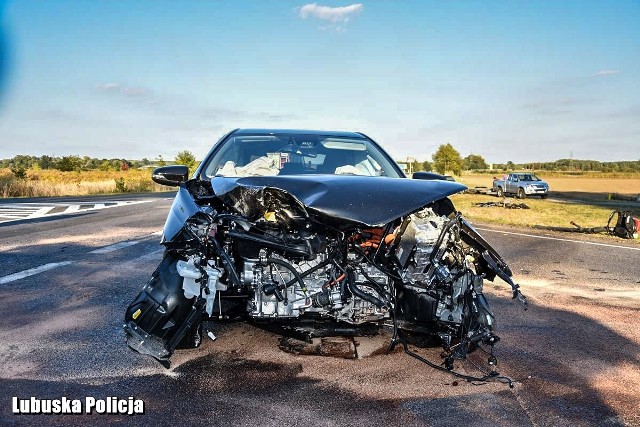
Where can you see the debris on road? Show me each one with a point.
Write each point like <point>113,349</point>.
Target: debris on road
<point>626,226</point>
<point>505,204</point>
<point>575,229</point>
<point>624,197</point>
<point>480,190</point>
<point>340,347</point>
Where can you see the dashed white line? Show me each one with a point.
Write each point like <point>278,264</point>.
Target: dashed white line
<point>106,249</point>
<point>114,247</point>
<point>558,239</point>
<point>26,273</point>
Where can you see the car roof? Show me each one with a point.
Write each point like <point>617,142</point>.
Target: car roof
<point>334,133</point>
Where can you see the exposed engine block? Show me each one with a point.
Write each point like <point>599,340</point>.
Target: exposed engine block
<point>277,293</point>
<point>323,294</point>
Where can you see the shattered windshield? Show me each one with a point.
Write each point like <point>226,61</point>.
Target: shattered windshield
<point>296,154</point>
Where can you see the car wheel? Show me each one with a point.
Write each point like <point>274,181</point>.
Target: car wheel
<point>499,192</point>
<point>521,194</point>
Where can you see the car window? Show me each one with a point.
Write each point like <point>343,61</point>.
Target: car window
<point>294,154</point>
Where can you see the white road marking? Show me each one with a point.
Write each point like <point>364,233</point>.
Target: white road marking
<point>558,239</point>
<point>41,212</point>
<point>30,272</point>
<point>29,210</point>
<point>18,215</point>
<point>14,212</point>
<point>16,209</point>
<point>114,247</point>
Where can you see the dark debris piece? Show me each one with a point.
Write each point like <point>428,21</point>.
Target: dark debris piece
<point>507,205</point>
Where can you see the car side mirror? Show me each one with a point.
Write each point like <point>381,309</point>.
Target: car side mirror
<point>170,175</point>
<point>428,175</point>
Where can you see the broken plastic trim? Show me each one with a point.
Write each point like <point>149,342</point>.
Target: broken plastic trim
<point>144,343</point>
<point>515,288</point>
<point>493,376</point>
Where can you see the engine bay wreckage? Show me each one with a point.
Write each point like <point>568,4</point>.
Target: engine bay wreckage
<point>310,254</point>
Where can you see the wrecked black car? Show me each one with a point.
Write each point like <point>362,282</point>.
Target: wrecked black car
<point>315,233</point>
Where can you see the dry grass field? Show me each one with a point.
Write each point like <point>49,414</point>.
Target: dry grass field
<point>46,183</point>
<point>590,187</point>
<point>582,199</point>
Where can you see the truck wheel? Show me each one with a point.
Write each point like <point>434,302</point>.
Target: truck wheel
<point>521,193</point>
<point>499,192</point>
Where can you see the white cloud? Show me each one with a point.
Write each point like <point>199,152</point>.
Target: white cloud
<point>135,91</point>
<point>119,90</point>
<point>108,86</point>
<point>334,15</point>
<point>602,73</point>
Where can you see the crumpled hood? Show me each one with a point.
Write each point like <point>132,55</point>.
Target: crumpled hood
<point>372,201</point>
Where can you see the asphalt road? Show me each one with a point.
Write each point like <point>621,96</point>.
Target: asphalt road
<point>66,278</point>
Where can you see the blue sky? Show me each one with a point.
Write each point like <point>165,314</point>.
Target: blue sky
<point>510,80</point>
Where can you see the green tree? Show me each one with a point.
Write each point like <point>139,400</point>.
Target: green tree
<point>46,162</point>
<point>474,161</point>
<point>426,166</point>
<point>115,164</point>
<point>18,171</point>
<point>69,163</point>
<point>160,161</point>
<point>105,165</point>
<point>186,158</point>
<point>447,158</point>
<point>20,164</point>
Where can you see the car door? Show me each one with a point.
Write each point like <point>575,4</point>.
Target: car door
<point>512,186</point>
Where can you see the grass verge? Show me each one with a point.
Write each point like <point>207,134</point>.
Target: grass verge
<point>541,212</point>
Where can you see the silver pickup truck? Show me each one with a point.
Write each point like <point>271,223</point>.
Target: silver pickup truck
<point>522,184</point>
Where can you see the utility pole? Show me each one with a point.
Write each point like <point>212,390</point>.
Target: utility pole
<point>410,161</point>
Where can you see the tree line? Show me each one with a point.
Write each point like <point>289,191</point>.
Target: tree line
<point>21,163</point>
<point>447,159</point>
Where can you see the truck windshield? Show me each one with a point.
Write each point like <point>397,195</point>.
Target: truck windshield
<point>527,177</point>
